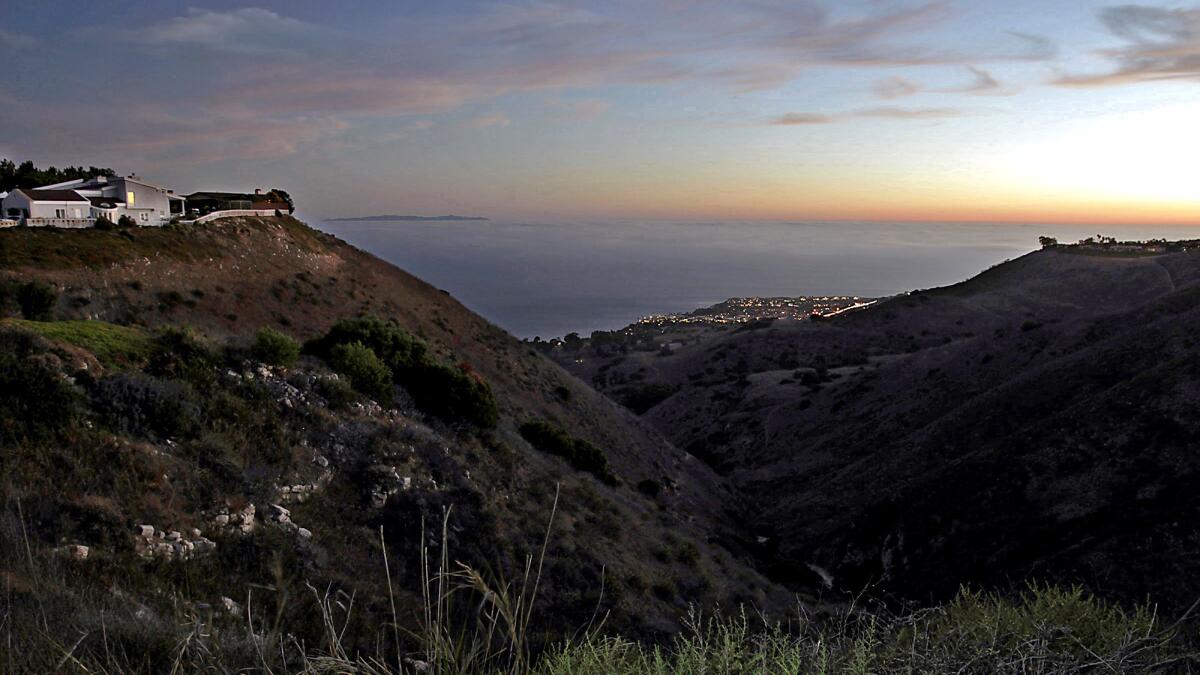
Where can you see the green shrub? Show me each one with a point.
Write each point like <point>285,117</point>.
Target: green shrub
<point>36,300</point>
<point>452,395</point>
<point>179,353</point>
<point>274,348</point>
<point>104,224</point>
<point>580,454</point>
<point>126,221</point>
<point>448,393</point>
<point>397,349</point>
<point>337,394</point>
<point>37,404</point>
<point>366,371</point>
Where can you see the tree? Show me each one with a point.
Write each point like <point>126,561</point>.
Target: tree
<point>26,175</point>
<point>1047,242</point>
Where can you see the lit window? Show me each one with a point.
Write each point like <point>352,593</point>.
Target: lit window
<point>130,198</point>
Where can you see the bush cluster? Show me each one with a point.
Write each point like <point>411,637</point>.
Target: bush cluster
<point>142,405</point>
<point>580,454</point>
<point>35,299</point>
<point>274,348</point>
<point>448,393</point>
<point>37,404</point>
<point>366,371</point>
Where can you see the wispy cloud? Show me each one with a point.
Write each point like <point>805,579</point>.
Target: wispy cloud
<point>982,83</point>
<point>489,120</point>
<point>910,113</point>
<point>1160,44</point>
<point>797,119</point>
<point>886,112</point>
<point>249,30</point>
<point>896,87</point>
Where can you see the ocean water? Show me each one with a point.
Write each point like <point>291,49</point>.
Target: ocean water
<point>550,279</point>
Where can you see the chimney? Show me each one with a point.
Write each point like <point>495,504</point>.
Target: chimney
<point>258,191</point>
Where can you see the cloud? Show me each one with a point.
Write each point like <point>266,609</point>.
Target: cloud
<point>896,87</point>
<point>982,84</point>
<point>250,30</point>
<point>909,113</point>
<point>11,40</point>
<point>1160,44</point>
<point>489,120</point>
<point>888,112</point>
<point>796,119</point>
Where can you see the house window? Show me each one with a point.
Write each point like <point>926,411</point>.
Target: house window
<point>145,216</point>
<point>130,198</point>
<point>60,213</point>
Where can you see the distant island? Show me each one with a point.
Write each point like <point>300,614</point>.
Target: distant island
<point>421,219</point>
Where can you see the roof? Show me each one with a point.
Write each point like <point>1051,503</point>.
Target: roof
<point>106,202</point>
<point>52,195</point>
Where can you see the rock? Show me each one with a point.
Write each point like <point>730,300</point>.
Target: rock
<point>174,536</point>
<point>230,606</point>
<point>321,461</point>
<point>304,533</point>
<point>73,551</point>
<point>145,531</point>
<point>221,520</point>
<point>195,533</point>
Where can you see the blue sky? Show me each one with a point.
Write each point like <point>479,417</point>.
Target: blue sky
<point>1072,111</point>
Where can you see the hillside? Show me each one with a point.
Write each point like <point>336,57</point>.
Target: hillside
<point>1031,423</point>
<point>112,424</point>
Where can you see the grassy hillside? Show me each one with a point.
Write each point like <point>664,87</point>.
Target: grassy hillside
<point>1030,423</point>
<point>116,417</point>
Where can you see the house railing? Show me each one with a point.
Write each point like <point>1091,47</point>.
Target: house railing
<point>60,222</point>
<point>6,222</point>
<point>232,213</point>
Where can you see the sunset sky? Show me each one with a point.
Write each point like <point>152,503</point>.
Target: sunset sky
<point>1012,110</point>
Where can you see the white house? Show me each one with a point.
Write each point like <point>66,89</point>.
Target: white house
<point>48,207</point>
<point>78,203</point>
<point>145,203</point>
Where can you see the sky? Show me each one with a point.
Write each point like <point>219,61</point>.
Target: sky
<point>1009,110</point>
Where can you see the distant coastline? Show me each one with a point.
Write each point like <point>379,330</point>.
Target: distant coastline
<point>420,219</point>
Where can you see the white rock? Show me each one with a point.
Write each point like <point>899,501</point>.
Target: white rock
<point>174,535</point>
<point>73,551</point>
<point>304,533</point>
<point>221,520</point>
<point>230,606</point>
<point>145,531</point>
<point>195,533</point>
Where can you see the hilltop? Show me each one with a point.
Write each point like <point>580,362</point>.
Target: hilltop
<point>153,435</point>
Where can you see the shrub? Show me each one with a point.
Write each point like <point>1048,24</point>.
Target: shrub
<point>650,488</point>
<point>274,348</point>
<point>103,223</point>
<point>397,349</point>
<point>179,353</point>
<point>580,454</point>
<point>337,394</point>
<point>37,404</point>
<point>36,300</point>
<point>126,221</point>
<point>366,371</point>
<point>439,390</point>
<point>452,395</point>
<point>147,406</point>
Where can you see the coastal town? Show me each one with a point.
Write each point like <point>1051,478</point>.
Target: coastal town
<point>743,310</point>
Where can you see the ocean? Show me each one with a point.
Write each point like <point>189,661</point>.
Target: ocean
<point>550,279</point>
